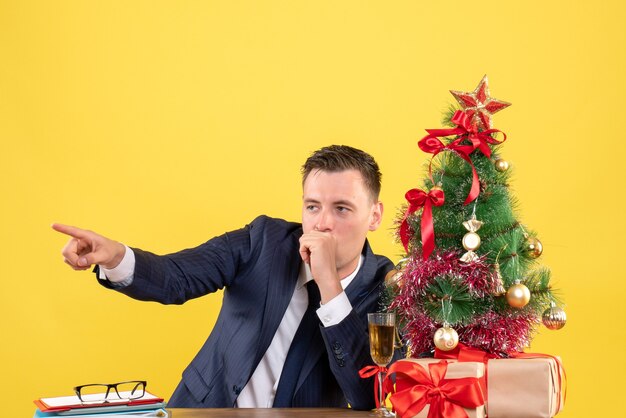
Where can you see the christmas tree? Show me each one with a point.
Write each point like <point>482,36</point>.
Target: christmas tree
<point>471,273</point>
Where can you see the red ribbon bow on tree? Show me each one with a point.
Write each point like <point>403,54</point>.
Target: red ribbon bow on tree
<point>369,371</point>
<point>418,198</point>
<point>464,129</point>
<point>433,145</point>
<point>416,388</point>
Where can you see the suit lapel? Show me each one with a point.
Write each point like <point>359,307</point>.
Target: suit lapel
<point>362,285</point>
<point>282,279</point>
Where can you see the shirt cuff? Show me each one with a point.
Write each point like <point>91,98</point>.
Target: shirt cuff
<point>122,275</point>
<point>335,310</point>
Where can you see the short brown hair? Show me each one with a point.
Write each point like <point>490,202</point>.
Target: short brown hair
<point>336,158</point>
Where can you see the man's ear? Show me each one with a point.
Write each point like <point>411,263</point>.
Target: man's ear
<point>376,217</point>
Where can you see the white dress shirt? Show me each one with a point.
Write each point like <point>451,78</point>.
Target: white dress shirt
<point>260,390</point>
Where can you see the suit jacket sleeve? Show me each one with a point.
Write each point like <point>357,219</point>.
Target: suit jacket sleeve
<point>347,344</point>
<point>191,273</point>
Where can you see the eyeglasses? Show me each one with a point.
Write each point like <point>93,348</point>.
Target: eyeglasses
<point>101,393</point>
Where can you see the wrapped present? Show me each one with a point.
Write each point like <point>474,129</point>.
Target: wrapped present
<point>530,386</point>
<point>526,385</point>
<point>437,388</point>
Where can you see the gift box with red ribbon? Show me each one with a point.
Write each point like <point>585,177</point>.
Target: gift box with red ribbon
<point>525,385</point>
<point>437,388</point>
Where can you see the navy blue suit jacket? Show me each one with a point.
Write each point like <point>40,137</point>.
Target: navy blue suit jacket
<point>258,266</point>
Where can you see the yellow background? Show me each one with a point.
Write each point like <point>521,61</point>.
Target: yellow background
<point>162,124</point>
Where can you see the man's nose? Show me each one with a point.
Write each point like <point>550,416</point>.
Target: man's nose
<point>324,222</point>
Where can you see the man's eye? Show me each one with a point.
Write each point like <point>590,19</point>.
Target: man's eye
<point>342,209</point>
<point>311,207</point>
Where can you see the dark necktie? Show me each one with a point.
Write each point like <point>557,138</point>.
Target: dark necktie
<point>297,351</point>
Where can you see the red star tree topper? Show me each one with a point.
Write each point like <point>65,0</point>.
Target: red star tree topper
<point>479,105</point>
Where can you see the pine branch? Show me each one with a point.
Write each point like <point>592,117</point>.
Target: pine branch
<point>449,292</point>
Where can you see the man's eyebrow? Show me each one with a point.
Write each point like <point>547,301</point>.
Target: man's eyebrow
<point>343,203</point>
<point>340,202</point>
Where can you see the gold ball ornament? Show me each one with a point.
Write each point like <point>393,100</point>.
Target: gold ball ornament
<point>554,317</point>
<point>518,295</point>
<point>501,165</point>
<point>392,279</point>
<point>534,247</point>
<point>389,277</point>
<point>446,338</point>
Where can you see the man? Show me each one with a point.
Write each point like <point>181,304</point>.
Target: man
<point>292,330</point>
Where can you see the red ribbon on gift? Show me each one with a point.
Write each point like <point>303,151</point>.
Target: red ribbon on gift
<point>463,352</point>
<point>369,371</point>
<point>418,198</point>
<point>416,388</point>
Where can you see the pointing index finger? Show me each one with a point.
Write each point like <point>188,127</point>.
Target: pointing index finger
<point>70,230</point>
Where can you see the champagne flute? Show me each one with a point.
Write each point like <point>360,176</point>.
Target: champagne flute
<point>382,331</point>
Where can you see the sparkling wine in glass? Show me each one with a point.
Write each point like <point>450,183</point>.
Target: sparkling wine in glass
<point>382,331</point>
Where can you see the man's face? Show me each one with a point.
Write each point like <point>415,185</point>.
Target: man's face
<point>338,203</point>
